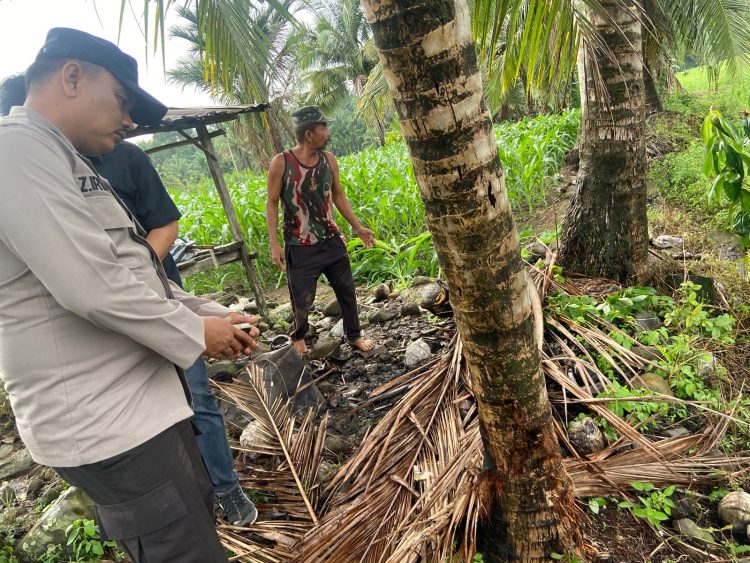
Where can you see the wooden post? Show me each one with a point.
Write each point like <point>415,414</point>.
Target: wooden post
<point>234,223</point>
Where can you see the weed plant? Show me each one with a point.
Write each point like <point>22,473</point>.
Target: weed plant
<point>691,333</point>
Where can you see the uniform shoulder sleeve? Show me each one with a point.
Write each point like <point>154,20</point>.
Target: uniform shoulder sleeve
<point>46,222</point>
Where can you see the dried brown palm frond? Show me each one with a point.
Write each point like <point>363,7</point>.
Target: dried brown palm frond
<point>410,493</point>
<point>445,505</point>
<point>406,494</point>
<point>292,486</point>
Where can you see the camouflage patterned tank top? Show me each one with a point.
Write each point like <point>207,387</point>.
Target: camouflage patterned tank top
<point>307,201</point>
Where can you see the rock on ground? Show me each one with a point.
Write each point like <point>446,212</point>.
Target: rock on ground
<point>586,436</point>
<point>416,353</point>
<point>17,463</point>
<point>72,505</point>
<point>734,509</point>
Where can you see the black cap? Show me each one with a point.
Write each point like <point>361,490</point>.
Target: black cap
<point>66,43</point>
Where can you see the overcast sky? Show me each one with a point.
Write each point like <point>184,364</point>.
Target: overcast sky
<point>24,25</point>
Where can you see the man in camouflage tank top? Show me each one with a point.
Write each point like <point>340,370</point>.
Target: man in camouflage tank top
<point>306,181</point>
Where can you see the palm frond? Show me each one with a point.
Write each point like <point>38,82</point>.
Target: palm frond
<point>300,450</point>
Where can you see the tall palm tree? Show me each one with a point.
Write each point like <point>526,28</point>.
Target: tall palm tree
<point>606,229</point>
<point>338,55</point>
<point>248,79</point>
<point>528,35</point>
<point>429,59</point>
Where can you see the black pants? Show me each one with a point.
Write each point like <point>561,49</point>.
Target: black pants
<point>304,264</point>
<point>156,500</point>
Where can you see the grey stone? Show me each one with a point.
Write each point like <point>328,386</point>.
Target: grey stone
<point>332,309</point>
<point>251,307</point>
<point>281,314</point>
<point>421,280</point>
<point>647,321</point>
<point>50,495</point>
<point>734,509</point>
<point>654,383</point>
<point>384,314</point>
<point>586,436</point>
<point>72,505</point>
<point>325,348</point>
<point>707,366</point>
<point>381,292</point>
<point>648,353</point>
<point>688,528</point>
<point>34,486</point>
<point>334,444</point>
<point>410,309</point>
<point>6,450</point>
<point>227,366</point>
<point>338,330</point>
<point>416,353</point>
<point>667,241</point>
<point>17,463</point>
<point>537,249</point>
<point>677,432</point>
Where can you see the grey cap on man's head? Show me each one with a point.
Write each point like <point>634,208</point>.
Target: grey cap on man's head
<point>309,115</point>
<point>67,43</point>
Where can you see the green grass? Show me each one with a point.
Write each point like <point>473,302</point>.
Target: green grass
<point>678,176</point>
<point>730,97</point>
<point>384,194</point>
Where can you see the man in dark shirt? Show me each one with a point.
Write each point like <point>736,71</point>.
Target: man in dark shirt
<point>12,92</point>
<point>135,180</point>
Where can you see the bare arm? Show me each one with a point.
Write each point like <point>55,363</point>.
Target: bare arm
<point>275,174</point>
<point>162,238</point>
<point>345,208</point>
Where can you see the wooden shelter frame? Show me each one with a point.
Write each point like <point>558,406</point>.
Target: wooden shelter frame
<point>199,118</point>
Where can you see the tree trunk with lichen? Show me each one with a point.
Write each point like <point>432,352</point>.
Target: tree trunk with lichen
<point>430,63</point>
<point>606,229</point>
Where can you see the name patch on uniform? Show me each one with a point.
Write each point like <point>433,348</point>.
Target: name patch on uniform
<point>91,184</point>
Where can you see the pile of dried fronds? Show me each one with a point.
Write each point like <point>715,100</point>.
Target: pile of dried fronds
<point>409,493</point>
<point>292,486</point>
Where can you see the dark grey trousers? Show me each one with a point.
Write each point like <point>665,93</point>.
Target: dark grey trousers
<point>156,500</point>
<point>304,264</point>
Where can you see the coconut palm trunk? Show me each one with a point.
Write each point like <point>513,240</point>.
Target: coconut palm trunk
<point>606,230</point>
<point>429,60</point>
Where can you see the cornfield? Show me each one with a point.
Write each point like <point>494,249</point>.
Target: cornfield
<point>381,187</point>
